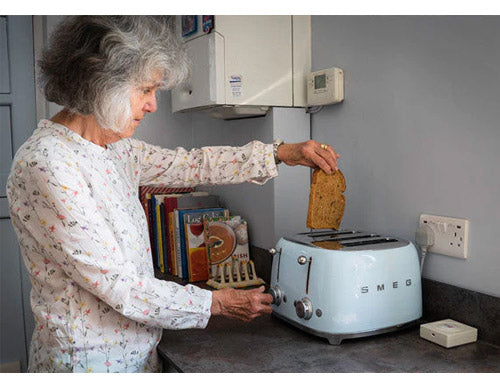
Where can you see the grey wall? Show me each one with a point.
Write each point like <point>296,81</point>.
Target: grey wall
<point>419,130</point>
<point>279,207</point>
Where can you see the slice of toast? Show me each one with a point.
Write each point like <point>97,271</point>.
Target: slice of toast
<point>326,200</point>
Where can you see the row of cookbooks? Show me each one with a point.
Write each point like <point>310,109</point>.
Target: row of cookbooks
<point>191,234</point>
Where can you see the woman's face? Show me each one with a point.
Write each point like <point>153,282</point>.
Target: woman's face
<point>142,101</point>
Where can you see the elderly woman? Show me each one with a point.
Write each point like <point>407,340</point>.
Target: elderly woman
<point>73,194</point>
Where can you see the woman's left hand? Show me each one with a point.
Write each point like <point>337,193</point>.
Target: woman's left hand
<point>310,153</point>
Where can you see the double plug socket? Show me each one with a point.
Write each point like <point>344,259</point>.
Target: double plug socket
<point>451,235</point>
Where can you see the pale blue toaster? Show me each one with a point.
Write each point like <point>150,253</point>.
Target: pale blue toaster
<point>346,284</point>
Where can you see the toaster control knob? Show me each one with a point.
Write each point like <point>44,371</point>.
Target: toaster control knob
<point>276,294</point>
<point>304,309</point>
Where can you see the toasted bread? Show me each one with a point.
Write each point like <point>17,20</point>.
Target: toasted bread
<point>335,245</point>
<point>326,200</point>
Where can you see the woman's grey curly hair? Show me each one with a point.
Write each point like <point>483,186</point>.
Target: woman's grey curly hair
<point>93,62</point>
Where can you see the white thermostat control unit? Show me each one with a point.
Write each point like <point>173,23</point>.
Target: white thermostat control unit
<point>325,87</point>
<point>448,333</point>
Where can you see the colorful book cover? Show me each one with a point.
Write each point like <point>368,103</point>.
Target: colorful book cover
<point>190,216</point>
<point>196,250</point>
<point>186,201</point>
<point>226,241</point>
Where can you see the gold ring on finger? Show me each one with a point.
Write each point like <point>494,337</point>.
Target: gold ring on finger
<point>324,146</point>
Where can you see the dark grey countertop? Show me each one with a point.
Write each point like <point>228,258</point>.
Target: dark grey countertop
<point>268,345</point>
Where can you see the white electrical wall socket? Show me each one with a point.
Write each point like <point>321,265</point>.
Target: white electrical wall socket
<point>451,235</point>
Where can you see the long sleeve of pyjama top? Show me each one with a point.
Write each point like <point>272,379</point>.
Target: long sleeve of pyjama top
<point>84,239</point>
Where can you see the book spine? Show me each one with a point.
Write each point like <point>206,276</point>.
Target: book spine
<point>147,210</point>
<point>182,237</point>
<point>170,204</point>
<point>154,233</point>
<point>177,243</point>
<point>164,239</point>
<point>173,267</point>
<point>160,241</point>
<point>186,251</point>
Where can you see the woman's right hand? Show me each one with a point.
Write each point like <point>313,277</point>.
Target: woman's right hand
<point>243,305</point>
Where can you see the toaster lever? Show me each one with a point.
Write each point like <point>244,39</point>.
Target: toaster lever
<point>273,252</point>
<point>302,260</point>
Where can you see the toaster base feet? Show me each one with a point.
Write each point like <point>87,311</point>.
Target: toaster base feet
<point>336,339</point>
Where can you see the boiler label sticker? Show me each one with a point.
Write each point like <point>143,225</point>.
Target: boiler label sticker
<point>236,84</point>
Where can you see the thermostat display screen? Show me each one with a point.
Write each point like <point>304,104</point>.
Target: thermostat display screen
<point>320,81</point>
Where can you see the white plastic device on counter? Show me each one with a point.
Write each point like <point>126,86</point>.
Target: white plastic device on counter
<point>448,333</point>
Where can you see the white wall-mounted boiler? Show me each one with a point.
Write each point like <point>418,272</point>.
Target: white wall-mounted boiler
<point>242,65</point>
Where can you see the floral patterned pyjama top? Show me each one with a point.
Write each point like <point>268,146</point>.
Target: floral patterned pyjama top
<point>84,240</point>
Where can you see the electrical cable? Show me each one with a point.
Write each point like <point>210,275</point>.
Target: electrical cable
<point>424,238</point>
<point>313,109</point>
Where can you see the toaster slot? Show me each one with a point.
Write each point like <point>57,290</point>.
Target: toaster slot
<point>327,233</point>
<point>343,238</point>
<point>338,242</point>
<point>368,242</point>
